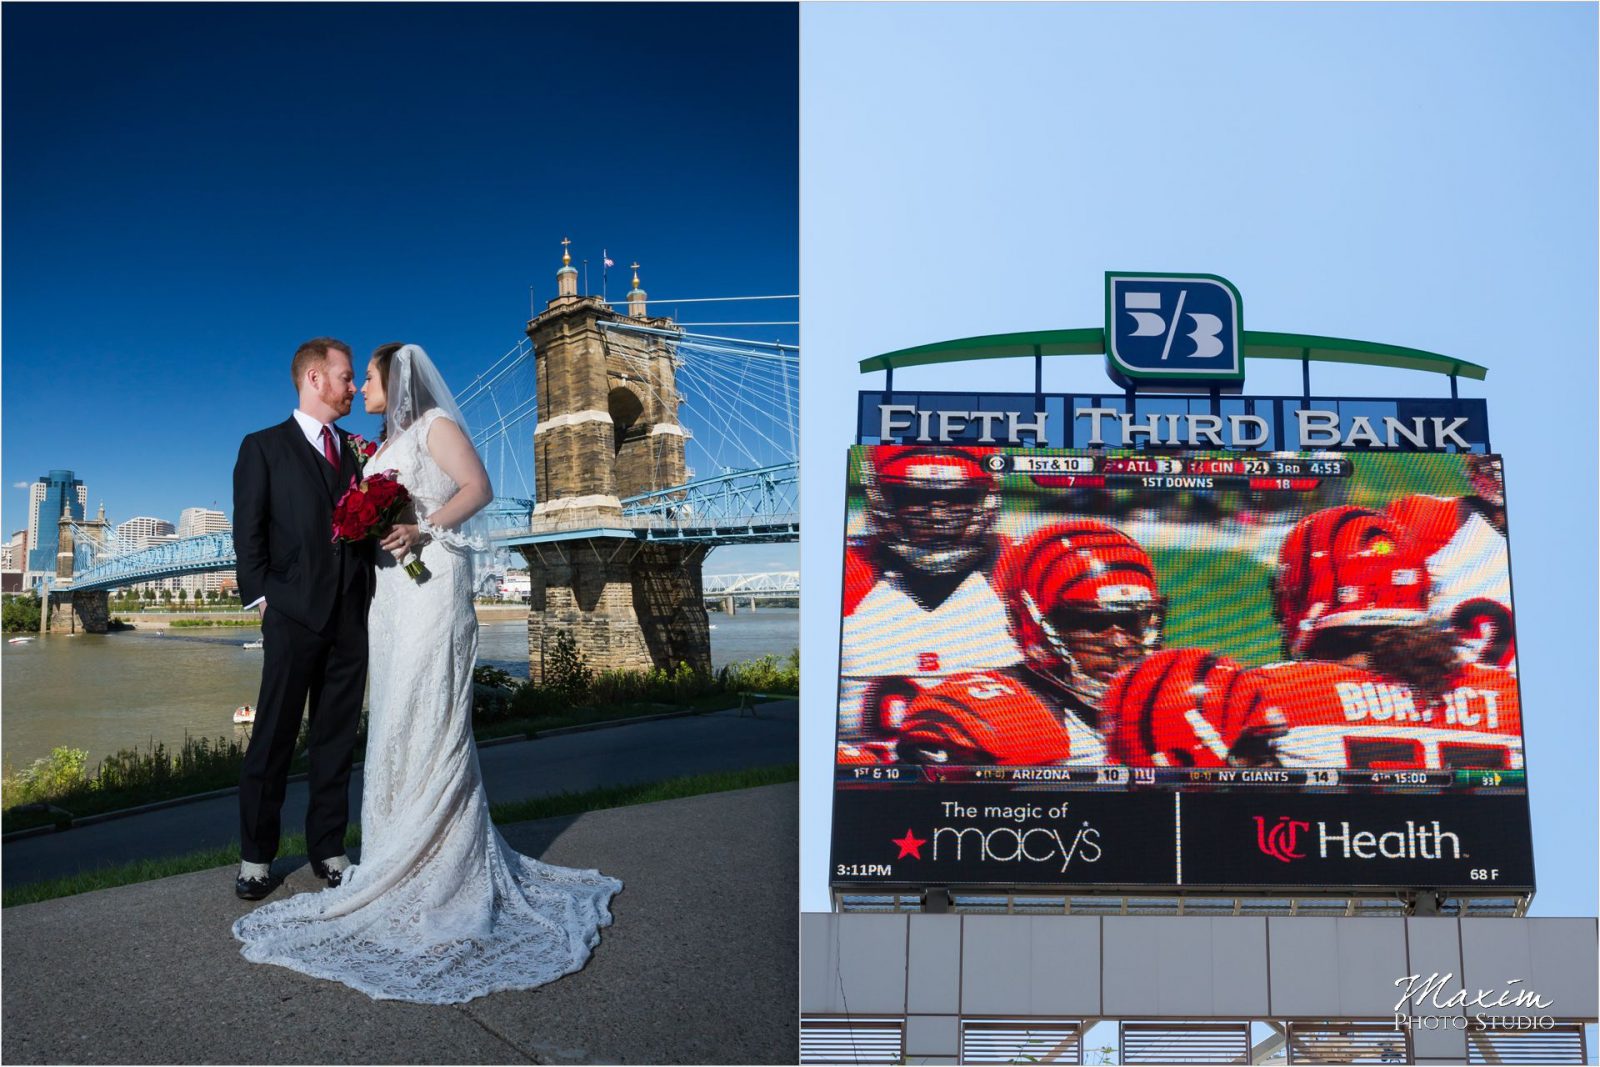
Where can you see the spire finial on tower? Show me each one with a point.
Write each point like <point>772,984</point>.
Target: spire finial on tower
<point>567,276</point>
<point>637,304</point>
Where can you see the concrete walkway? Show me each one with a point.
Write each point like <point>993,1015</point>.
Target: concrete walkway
<point>617,755</point>
<point>699,966</point>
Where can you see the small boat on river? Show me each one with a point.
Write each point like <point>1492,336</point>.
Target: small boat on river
<point>257,643</point>
<point>244,715</point>
<point>18,640</point>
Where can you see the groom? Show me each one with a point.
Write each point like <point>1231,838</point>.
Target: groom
<point>312,593</point>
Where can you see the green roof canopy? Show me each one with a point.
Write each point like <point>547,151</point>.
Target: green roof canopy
<point>1257,345</point>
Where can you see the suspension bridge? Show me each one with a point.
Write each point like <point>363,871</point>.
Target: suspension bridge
<point>697,433</point>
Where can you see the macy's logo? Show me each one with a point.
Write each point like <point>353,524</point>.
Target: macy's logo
<point>1279,841</point>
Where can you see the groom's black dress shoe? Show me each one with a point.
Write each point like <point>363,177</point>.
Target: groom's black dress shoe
<point>251,888</point>
<point>326,873</point>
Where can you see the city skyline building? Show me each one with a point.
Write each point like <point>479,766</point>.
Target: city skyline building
<point>46,498</point>
<point>13,561</point>
<point>195,522</point>
<point>146,531</point>
<point>138,531</point>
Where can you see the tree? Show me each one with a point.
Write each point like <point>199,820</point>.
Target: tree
<point>20,614</point>
<point>183,597</point>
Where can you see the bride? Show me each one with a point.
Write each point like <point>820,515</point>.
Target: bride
<point>440,909</point>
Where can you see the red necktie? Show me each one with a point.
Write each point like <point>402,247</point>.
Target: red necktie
<point>327,447</point>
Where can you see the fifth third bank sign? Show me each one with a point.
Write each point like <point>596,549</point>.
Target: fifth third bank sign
<point>1174,326</point>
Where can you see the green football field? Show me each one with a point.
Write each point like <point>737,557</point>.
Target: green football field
<point>1220,601</point>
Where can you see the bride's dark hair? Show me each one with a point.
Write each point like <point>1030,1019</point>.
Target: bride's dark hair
<point>381,357</point>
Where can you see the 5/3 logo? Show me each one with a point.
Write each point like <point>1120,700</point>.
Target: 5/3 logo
<point>1182,327</point>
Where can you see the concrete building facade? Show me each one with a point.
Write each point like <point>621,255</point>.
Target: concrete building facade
<point>936,979</point>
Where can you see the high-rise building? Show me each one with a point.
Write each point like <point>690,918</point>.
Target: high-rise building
<point>138,531</point>
<point>144,531</point>
<point>12,561</point>
<point>46,498</point>
<point>193,522</point>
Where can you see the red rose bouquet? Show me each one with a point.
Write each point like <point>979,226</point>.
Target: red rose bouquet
<point>363,448</point>
<point>370,507</point>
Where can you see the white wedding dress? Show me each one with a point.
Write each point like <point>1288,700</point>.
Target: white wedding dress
<point>440,909</point>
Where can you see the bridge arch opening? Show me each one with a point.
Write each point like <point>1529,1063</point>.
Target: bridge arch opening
<point>626,409</point>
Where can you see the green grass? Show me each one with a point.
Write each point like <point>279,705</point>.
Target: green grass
<point>1220,601</point>
<point>518,811</point>
<point>1379,479</point>
<point>623,796</point>
<point>182,623</point>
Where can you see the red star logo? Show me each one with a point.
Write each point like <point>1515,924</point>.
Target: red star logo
<point>910,845</point>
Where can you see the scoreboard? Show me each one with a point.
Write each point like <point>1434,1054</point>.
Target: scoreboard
<point>1203,670</point>
<point>1119,779</point>
<point>1257,474</point>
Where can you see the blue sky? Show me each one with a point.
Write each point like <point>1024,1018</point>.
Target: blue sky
<point>181,214</point>
<point>1416,175</point>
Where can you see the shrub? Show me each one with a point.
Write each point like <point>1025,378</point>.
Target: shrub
<point>55,775</point>
<point>20,614</point>
<point>564,669</point>
<point>531,700</point>
<point>486,675</point>
<point>765,675</point>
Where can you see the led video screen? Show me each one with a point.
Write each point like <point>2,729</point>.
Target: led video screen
<point>1187,669</point>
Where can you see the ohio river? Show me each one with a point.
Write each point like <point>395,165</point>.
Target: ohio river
<point>106,692</point>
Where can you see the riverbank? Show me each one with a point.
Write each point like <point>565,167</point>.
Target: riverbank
<point>105,692</point>
<point>141,620</point>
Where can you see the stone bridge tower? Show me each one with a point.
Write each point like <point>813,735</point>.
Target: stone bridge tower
<point>608,430</point>
<point>68,610</point>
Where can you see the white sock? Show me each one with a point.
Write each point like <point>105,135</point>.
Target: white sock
<point>339,863</point>
<point>254,871</point>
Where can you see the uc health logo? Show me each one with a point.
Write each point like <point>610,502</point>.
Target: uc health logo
<point>1279,841</point>
<point>1178,327</point>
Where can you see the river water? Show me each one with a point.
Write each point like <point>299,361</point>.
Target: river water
<point>111,691</point>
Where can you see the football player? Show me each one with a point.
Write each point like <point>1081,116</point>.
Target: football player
<point>1464,540</point>
<point>919,607</point>
<point>1176,708</point>
<point>1082,603</point>
<point>1373,681</point>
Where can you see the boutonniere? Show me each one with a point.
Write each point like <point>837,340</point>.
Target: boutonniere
<point>363,448</point>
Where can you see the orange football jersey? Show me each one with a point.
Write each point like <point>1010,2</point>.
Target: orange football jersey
<point>985,717</point>
<point>1328,715</point>
<point>1430,521</point>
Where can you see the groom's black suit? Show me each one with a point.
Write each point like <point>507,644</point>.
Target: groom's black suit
<point>314,632</point>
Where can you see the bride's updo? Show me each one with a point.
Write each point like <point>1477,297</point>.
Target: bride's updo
<point>382,356</point>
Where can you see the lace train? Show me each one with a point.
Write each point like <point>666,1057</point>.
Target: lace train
<point>440,909</point>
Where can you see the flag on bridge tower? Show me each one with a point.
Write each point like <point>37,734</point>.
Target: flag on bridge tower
<point>605,265</point>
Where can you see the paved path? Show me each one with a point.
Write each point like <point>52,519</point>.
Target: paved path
<point>618,755</point>
<point>699,966</point>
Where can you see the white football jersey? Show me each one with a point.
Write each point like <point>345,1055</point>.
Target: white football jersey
<point>890,635</point>
<point>1473,566</point>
